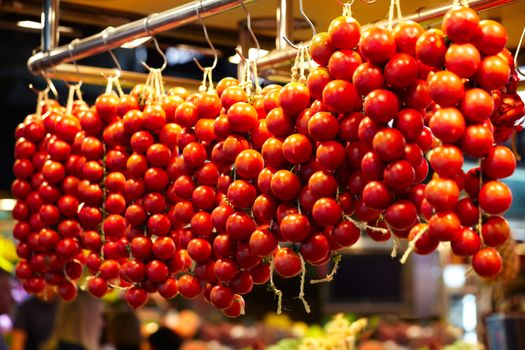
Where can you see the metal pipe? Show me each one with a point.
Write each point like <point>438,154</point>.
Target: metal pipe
<point>284,19</point>
<point>50,33</point>
<point>278,57</point>
<point>115,37</point>
<point>96,76</point>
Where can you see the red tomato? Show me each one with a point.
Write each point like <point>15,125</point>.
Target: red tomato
<point>495,197</point>
<point>426,244</point>
<point>242,117</point>
<point>321,48</point>
<point>376,195</point>
<point>465,242</point>
<point>463,60</point>
<point>285,185</point>
<point>340,96</point>
<point>410,123</point>
<point>499,163</point>
<point>417,95</point>
<point>431,47</point>
<point>345,234</point>
<point>377,45</point>
<point>249,163</point>
<point>317,80</point>
<point>460,24</point>
<point>493,73</point>
<point>442,194</point>
<point>477,141</point>
<point>372,166</point>
<point>495,231</point>
<point>295,227</point>
<point>297,148</point>
<point>443,226</point>
<point>368,77</point>
<point>344,32</point>
<point>381,105</point>
<point>477,105</point>
<point>406,34</point>
<point>401,215</point>
<point>330,155</point>
<point>389,144</point>
<point>447,161</point>
<point>447,124</point>
<point>287,263</point>
<point>401,71</point>
<point>446,88</point>
<point>487,262</point>
<point>491,37</point>
<point>399,175</point>
<point>342,64</point>
<point>323,126</point>
<point>294,97</point>
<point>326,212</point>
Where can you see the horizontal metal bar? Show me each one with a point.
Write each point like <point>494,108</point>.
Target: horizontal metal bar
<point>115,37</point>
<point>278,57</point>
<point>127,79</point>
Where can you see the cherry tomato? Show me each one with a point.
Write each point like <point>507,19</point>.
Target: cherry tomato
<point>377,45</point>
<point>499,163</point>
<point>460,24</point>
<point>487,262</point>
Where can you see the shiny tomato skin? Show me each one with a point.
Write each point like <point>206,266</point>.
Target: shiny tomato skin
<point>460,24</point>
<point>377,45</point>
<point>344,32</point>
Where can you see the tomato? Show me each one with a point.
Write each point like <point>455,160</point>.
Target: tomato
<point>199,249</point>
<point>263,242</point>
<point>278,123</point>
<point>477,141</point>
<point>208,105</point>
<point>367,129</point>
<point>226,269</point>
<point>221,297</point>
<point>442,226</point>
<point>376,195</point>
<point>372,166</point>
<point>241,194</point>
<point>495,231</point>
<point>223,246</point>
<point>315,248</point>
<point>381,105</point>
<point>487,262</point>
<point>389,144</point>
<point>367,78</point>
<point>248,164</point>
<point>493,73</point>
<point>406,34</point>
<point>447,124</point>
<point>236,308</point>
<point>287,263</point>
<point>447,161</point>
<point>431,47</point>
<point>472,180</point>
<point>322,184</point>
<point>294,97</point>
<point>465,242</point>
<point>399,175</point>
<point>463,60</point>
<point>154,117</point>
<point>260,134</point>
<point>321,48</point>
<point>97,286</point>
<point>240,226</point>
<point>264,180</point>
<point>326,212</point>
<point>446,88</point>
<point>340,96</point>
<point>317,80</point>
<point>345,234</point>
<point>401,215</point>
<point>225,83</point>
<point>285,185</point>
<point>271,98</point>
<point>495,197</point>
<point>231,95</point>
<point>201,224</point>
<point>417,95</point>
<point>330,154</point>
<point>323,126</point>
<point>295,227</point>
<point>499,163</point>
<point>401,71</point>
<point>203,197</point>
<point>410,123</point>
<point>297,148</point>
<point>442,194</point>
<point>491,37</point>
<point>460,24</point>
<point>242,117</point>
<point>377,45</point>
<point>426,244</point>
<point>344,32</point>
<point>342,64</point>
<point>189,286</point>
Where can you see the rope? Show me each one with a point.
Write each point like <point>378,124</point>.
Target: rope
<point>329,278</point>
<point>397,5</point>
<point>275,290</point>
<point>301,290</point>
<point>412,245</point>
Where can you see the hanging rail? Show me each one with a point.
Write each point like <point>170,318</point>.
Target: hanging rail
<point>278,57</point>
<point>115,37</point>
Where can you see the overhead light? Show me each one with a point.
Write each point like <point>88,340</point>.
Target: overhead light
<point>135,43</point>
<point>40,26</point>
<point>178,55</point>
<point>7,204</point>
<point>252,54</point>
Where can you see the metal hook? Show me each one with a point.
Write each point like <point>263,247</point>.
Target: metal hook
<point>314,31</point>
<point>250,30</point>
<point>215,55</point>
<point>104,40</point>
<point>516,54</point>
<point>157,46</point>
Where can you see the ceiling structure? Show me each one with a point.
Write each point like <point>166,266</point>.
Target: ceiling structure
<point>321,12</point>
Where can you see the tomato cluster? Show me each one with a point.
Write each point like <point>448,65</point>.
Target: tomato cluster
<point>209,193</point>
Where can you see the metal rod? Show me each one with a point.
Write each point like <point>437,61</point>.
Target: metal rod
<point>284,18</point>
<point>50,33</point>
<point>115,37</point>
<point>278,57</point>
<point>127,79</point>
